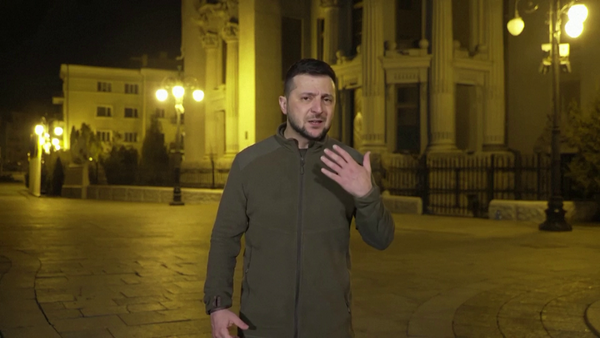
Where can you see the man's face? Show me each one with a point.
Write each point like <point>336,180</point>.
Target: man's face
<point>309,106</point>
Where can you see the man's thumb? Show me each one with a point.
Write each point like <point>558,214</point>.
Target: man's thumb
<point>240,323</point>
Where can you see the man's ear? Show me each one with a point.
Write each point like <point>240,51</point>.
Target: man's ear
<point>283,104</point>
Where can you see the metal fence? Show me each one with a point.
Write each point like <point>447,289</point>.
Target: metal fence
<point>208,178</point>
<point>463,185</point>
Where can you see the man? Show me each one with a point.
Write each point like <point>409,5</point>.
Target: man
<point>293,196</point>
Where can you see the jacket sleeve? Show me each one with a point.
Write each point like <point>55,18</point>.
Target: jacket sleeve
<point>373,221</point>
<point>225,243</point>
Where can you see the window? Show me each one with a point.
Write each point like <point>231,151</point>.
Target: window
<point>131,88</point>
<point>408,124</point>
<point>104,87</point>
<point>131,112</point>
<point>131,137</point>
<point>103,111</point>
<point>159,113</point>
<point>408,23</point>
<point>291,43</point>
<point>104,135</point>
<point>320,38</point>
<point>357,13</point>
<point>461,22</point>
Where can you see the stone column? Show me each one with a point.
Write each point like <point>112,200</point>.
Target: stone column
<point>372,49</point>
<point>443,116</point>
<point>194,59</point>
<point>210,41</point>
<point>230,35</point>
<point>495,112</point>
<point>332,30</point>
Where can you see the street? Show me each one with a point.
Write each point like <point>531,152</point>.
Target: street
<point>95,269</point>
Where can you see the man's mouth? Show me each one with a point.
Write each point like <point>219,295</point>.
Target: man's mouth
<point>315,122</point>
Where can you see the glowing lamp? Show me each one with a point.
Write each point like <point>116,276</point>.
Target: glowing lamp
<point>178,92</point>
<point>161,94</point>
<point>574,28</point>
<point>198,95</point>
<point>515,26</point>
<point>578,13</point>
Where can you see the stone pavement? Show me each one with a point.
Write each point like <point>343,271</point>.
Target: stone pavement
<point>95,269</point>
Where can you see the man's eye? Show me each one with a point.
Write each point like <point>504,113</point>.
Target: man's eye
<point>305,98</point>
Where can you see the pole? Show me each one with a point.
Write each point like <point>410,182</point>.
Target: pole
<point>177,167</point>
<point>555,214</point>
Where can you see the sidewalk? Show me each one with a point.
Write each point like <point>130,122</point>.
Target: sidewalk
<point>78,268</point>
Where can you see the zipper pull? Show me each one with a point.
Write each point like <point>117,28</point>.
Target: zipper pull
<point>302,166</point>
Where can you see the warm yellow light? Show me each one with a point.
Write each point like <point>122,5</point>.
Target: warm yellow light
<point>198,95</point>
<point>55,142</point>
<point>162,94</point>
<point>91,159</point>
<point>57,147</point>
<point>578,13</point>
<point>39,129</point>
<point>41,141</point>
<point>47,148</point>
<point>58,131</point>
<point>178,92</point>
<point>515,26</point>
<point>574,28</point>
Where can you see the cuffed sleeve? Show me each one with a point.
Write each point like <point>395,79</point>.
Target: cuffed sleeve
<point>373,221</point>
<point>225,243</point>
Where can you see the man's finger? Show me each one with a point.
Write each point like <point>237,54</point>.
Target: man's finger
<point>343,153</point>
<point>224,333</point>
<point>367,162</point>
<point>335,157</point>
<point>240,323</point>
<point>332,165</point>
<point>331,175</point>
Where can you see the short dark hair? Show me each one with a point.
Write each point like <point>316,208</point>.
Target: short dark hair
<point>308,67</point>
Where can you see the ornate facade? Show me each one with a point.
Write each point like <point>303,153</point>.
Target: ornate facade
<point>413,76</point>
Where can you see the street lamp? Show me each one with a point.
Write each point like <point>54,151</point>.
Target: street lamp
<point>177,86</point>
<point>558,55</point>
<point>47,138</point>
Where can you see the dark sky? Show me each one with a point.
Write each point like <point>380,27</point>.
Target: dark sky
<point>37,36</point>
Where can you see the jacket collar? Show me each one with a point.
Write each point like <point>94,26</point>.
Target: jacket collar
<point>293,144</point>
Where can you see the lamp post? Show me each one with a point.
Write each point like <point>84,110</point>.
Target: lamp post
<point>47,138</point>
<point>178,86</point>
<point>558,55</point>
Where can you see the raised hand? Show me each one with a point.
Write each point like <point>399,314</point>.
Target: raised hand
<point>353,177</point>
<point>222,320</point>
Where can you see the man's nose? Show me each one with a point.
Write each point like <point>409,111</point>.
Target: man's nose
<point>317,106</point>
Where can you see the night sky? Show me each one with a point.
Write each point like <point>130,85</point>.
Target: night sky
<point>37,36</point>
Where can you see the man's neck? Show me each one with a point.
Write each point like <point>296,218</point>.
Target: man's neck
<point>290,133</point>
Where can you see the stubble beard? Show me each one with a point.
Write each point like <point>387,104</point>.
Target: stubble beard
<point>304,133</point>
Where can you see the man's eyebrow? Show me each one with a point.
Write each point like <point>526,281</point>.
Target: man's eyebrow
<point>314,94</point>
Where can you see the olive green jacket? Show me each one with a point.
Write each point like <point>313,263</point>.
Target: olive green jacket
<point>296,222</point>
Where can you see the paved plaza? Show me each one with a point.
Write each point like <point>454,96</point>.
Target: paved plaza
<point>99,269</point>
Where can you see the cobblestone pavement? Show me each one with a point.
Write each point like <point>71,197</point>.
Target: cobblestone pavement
<point>77,268</point>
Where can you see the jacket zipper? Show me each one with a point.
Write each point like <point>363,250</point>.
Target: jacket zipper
<point>299,247</point>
